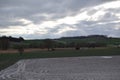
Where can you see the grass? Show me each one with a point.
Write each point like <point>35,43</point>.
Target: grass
<point>108,41</point>
<point>9,59</point>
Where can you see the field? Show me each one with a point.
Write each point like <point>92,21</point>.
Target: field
<point>108,41</point>
<point>7,59</point>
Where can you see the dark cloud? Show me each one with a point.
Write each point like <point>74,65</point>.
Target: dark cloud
<point>8,23</point>
<point>29,8</point>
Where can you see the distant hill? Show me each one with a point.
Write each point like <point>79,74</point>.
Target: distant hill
<point>82,37</point>
<point>63,42</point>
<point>91,38</point>
<point>72,41</point>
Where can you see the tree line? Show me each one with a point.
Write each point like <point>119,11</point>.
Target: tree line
<point>51,44</point>
<point>5,41</point>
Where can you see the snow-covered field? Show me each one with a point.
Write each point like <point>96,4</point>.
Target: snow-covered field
<point>74,68</point>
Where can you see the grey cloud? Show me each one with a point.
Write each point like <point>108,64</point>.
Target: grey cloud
<point>56,28</point>
<point>80,30</point>
<point>54,8</point>
<point>102,29</point>
<point>28,9</point>
<point>92,12</point>
<point>7,21</point>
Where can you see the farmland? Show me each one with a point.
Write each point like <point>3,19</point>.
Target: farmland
<point>72,41</point>
<point>8,59</point>
<point>79,59</point>
<point>96,45</point>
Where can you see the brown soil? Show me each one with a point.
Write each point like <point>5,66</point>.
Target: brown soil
<point>29,50</point>
<point>15,51</point>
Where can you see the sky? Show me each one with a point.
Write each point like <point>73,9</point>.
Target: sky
<point>40,19</point>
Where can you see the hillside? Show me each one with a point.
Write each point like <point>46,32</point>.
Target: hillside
<point>92,38</point>
<point>72,41</point>
<point>63,42</point>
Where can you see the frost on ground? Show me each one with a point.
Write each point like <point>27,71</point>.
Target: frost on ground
<point>74,68</point>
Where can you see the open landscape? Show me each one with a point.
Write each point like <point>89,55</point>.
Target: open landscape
<point>59,39</point>
<point>95,45</point>
<point>67,58</point>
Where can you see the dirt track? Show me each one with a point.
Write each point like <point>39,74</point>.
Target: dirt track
<point>29,50</point>
<point>15,51</point>
<point>39,49</point>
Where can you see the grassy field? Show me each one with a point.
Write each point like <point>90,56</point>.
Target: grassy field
<point>9,59</point>
<point>108,41</point>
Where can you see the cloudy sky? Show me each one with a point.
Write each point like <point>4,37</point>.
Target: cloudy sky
<point>57,18</point>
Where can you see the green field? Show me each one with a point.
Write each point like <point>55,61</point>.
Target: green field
<point>63,42</point>
<point>9,59</point>
<point>108,41</point>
